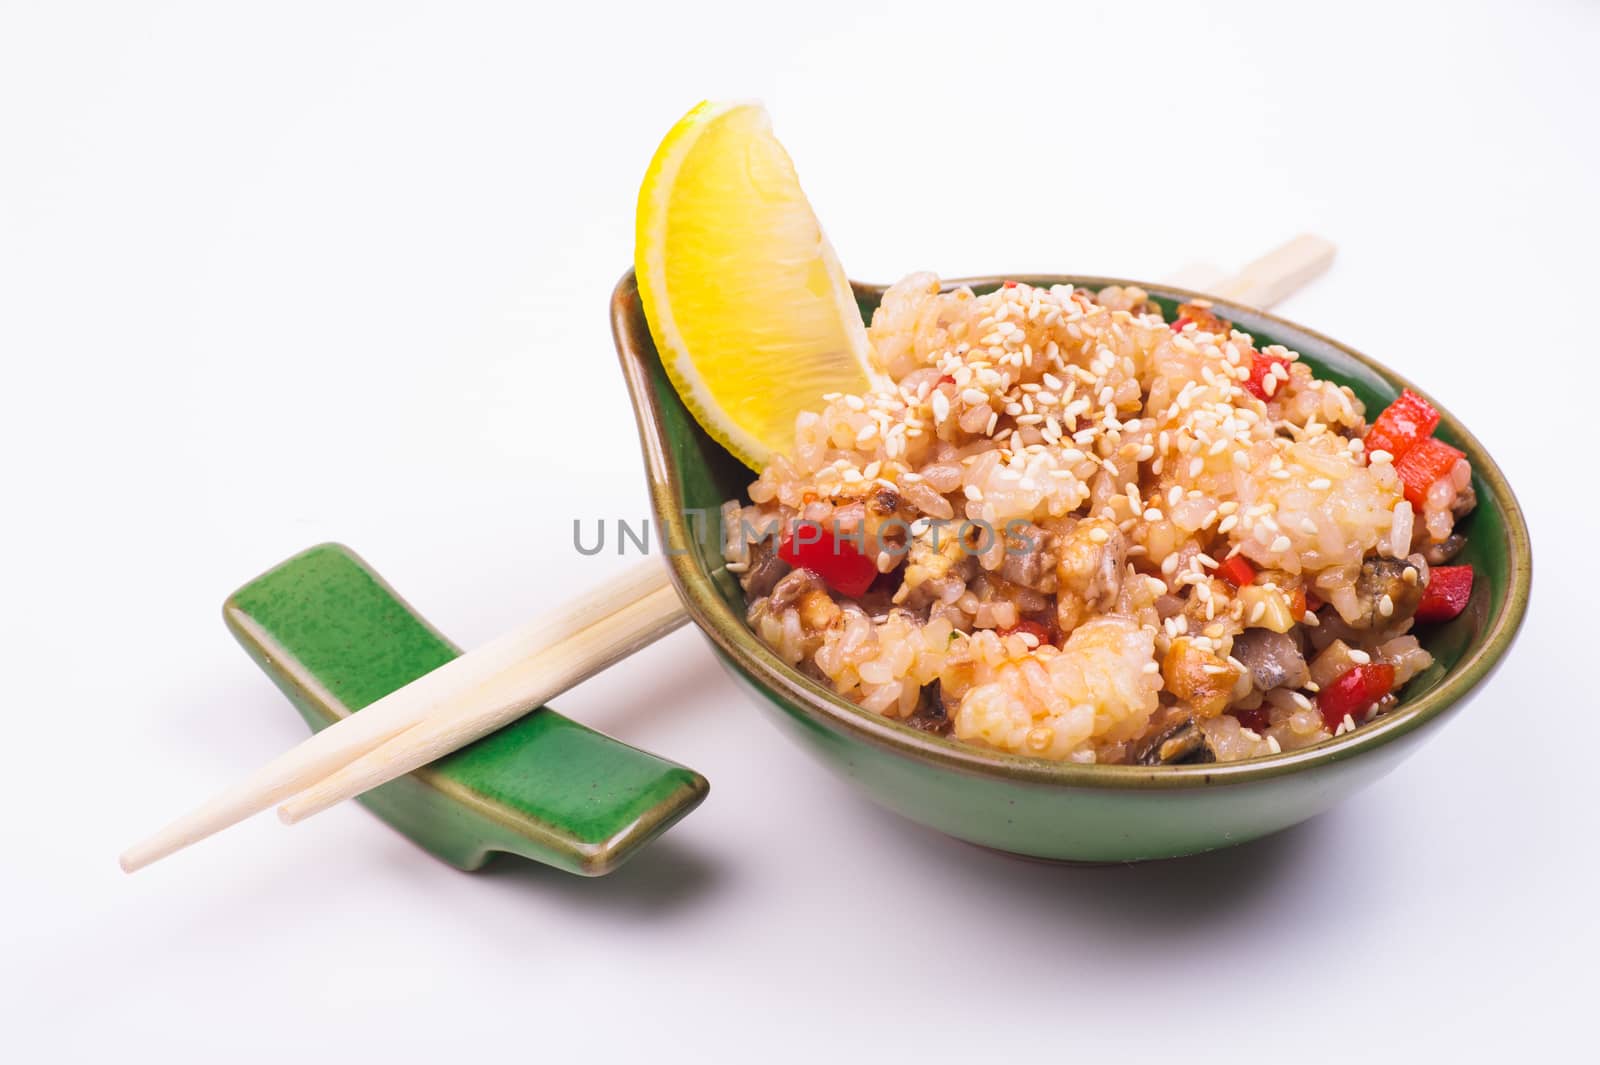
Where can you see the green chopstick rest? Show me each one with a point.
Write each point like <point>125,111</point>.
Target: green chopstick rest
<point>335,637</point>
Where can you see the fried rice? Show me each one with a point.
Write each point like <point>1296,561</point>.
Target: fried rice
<point>1060,526</point>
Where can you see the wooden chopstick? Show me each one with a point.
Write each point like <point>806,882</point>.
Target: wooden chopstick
<point>344,741</point>
<point>490,687</point>
<point>499,701</point>
<point>1284,269</point>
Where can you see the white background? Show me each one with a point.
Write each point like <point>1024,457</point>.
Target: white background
<point>277,274</point>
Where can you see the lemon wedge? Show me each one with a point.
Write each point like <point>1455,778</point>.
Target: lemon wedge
<point>750,310</point>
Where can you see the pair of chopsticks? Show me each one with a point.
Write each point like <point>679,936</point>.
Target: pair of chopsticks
<point>461,701</point>
<point>493,685</point>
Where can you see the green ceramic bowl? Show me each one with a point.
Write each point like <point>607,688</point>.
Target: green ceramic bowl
<point>1028,806</point>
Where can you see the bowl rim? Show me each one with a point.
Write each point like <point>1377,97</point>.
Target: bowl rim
<point>761,666</point>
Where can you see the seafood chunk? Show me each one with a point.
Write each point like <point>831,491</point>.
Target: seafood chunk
<point>1182,742</point>
<point>1089,565</point>
<point>1197,676</point>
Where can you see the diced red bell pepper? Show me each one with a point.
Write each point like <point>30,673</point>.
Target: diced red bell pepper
<point>1353,691</point>
<point>1424,464</point>
<point>1261,365</point>
<point>1010,284</point>
<point>1258,719</point>
<point>1237,571</point>
<point>1404,424</point>
<point>834,559</point>
<point>1445,597</point>
<point>1032,628</point>
<point>1177,326</point>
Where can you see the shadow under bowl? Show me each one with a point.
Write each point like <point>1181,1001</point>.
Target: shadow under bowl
<point>1054,810</point>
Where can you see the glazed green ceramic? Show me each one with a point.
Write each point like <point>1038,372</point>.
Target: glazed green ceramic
<point>1029,806</point>
<point>334,637</point>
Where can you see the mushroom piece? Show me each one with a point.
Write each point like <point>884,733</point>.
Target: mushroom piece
<point>1385,597</point>
<point>1441,553</point>
<point>766,569</point>
<point>1272,658</point>
<point>793,587</point>
<point>1027,562</point>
